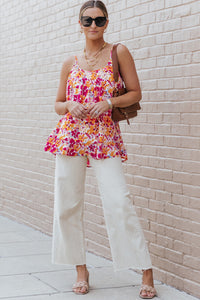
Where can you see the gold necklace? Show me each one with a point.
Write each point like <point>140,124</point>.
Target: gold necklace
<point>92,61</point>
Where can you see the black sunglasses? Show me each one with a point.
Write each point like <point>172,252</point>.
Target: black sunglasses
<point>87,21</point>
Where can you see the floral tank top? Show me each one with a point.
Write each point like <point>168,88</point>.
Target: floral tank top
<point>98,137</point>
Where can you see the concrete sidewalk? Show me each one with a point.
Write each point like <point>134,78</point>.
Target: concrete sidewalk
<point>26,272</point>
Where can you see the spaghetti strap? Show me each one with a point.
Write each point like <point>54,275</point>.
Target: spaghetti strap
<point>76,59</point>
<point>111,51</point>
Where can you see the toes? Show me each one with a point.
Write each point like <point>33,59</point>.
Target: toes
<point>150,294</point>
<point>77,290</point>
<point>143,294</point>
<point>81,290</point>
<point>147,294</point>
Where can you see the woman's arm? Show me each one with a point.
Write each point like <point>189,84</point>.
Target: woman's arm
<point>61,105</point>
<point>130,78</point>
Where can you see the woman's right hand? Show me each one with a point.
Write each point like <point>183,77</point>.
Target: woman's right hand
<point>77,110</point>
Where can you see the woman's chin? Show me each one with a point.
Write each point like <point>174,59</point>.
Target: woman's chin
<point>94,35</point>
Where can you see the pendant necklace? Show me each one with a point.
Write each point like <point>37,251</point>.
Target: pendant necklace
<point>92,61</point>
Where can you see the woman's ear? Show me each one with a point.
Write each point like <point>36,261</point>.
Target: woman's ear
<point>81,28</point>
<point>106,24</point>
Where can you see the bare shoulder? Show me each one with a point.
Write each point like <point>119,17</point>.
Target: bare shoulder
<point>127,68</point>
<point>121,48</point>
<point>123,52</point>
<point>68,63</point>
<point>66,67</point>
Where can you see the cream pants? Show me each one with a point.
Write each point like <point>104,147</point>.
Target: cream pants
<point>127,242</point>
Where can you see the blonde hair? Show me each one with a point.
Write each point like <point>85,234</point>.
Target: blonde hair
<point>90,4</point>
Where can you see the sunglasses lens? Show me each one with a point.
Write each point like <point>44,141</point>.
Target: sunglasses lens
<point>100,21</point>
<point>86,21</point>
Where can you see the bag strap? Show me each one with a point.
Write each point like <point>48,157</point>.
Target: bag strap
<point>115,63</point>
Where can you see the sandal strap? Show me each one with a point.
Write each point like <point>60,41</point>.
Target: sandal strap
<point>81,284</point>
<point>148,288</point>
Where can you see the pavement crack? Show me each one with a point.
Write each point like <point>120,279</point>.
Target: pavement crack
<point>46,283</point>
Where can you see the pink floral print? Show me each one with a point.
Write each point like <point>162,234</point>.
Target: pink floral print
<point>99,137</point>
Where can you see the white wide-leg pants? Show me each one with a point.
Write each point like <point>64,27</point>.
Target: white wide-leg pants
<point>127,242</point>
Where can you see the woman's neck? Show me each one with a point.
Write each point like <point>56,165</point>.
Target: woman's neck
<point>93,46</point>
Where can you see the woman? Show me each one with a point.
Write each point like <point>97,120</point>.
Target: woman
<point>87,135</point>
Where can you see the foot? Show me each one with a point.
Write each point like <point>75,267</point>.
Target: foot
<point>81,286</point>
<point>147,290</point>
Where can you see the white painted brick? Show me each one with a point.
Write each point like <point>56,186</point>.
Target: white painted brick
<point>196,57</point>
<point>164,38</point>
<point>181,83</point>
<point>173,48</point>
<point>149,85</point>
<point>181,35</point>
<point>148,18</point>
<point>171,3</point>
<point>196,82</point>
<point>127,13</point>
<point>172,25</point>
<point>165,84</point>
<point>156,5</point>
<point>141,9</point>
<point>164,15</point>
<point>155,28</point>
<point>148,63</point>
<point>153,74</point>
<point>194,32</point>
<point>146,41</point>
<point>156,51</point>
<point>190,118</point>
<point>191,70</point>
<point>128,34</point>
<point>141,53</point>
<point>195,7</point>
<point>181,11</point>
<point>133,22</point>
<point>130,3</point>
<point>165,61</point>
<point>140,31</point>
<point>190,21</point>
<point>180,59</point>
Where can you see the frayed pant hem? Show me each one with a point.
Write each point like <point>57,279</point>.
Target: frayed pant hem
<point>136,268</point>
<point>67,264</point>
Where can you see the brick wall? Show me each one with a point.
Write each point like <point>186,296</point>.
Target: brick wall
<point>163,141</point>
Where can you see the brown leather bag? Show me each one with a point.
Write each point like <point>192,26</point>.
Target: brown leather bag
<point>121,113</point>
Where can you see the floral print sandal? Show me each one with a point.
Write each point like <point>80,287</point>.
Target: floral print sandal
<point>149,291</point>
<point>77,287</point>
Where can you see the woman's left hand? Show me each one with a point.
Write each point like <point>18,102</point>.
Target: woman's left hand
<point>96,109</point>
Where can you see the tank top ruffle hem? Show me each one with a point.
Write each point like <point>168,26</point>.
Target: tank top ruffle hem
<point>99,138</point>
